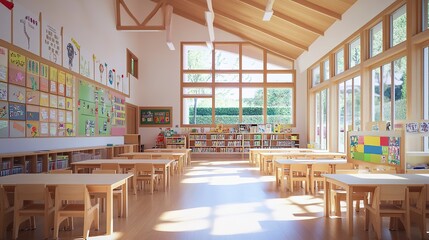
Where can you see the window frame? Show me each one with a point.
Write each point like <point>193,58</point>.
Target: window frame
<point>131,57</point>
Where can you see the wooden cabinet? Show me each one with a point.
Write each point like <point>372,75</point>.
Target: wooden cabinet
<point>133,139</point>
<point>175,142</point>
<point>239,142</point>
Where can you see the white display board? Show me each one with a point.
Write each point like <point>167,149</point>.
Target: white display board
<point>5,23</point>
<point>51,42</point>
<point>26,29</point>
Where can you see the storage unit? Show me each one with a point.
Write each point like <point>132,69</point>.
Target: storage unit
<point>175,142</point>
<point>240,142</point>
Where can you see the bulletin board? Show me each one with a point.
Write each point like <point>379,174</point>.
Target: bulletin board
<point>377,147</point>
<point>155,116</point>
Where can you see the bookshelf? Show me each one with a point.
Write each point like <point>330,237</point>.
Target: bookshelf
<point>240,142</point>
<point>175,142</point>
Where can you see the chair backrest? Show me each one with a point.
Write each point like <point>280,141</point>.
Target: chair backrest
<point>324,168</point>
<point>72,193</point>
<point>390,193</point>
<point>111,166</point>
<point>146,168</point>
<point>61,171</point>
<point>4,201</point>
<point>302,168</point>
<point>32,192</point>
<point>103,171</point>
<point>344,166</point>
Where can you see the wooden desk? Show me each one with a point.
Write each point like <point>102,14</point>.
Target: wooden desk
<point>165,164</point>
<point>366,183</point>
<point>285,163</point>
<point>188,152</point>
<point>178,156</point>
<point>104,183</point>
<point>271,156</point>
<point>254,153</point>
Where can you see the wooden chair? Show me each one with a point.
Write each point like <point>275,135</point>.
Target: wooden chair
<point>52,191</point>
<point>339,194</point>
<point>111,166</point>
<point>316,175</point>
<point>421,208</point>
<point>6,212</point>
<point>145,173</point>
<point>74,201</point>
<point>32,200</point>
<point>388,201</point>
<point>117,192</point>
<point>297,173</point>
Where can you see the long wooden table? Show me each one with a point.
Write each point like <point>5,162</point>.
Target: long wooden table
<point>188,152</point>
<point>179,157</point>
<point>104,183</point>
<point>165,164</point>
<point>366,183</point>
<point>254,153</point>
<point>271,156</point>
<point>281,164</point>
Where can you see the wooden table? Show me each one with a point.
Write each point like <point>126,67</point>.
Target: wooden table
<point>285,163</point>
<point>104,183</point>
<point>179,157</point>
<point>165,164</point>
<point>366,183</point>
<point>254,153</point>
<point>188,152</point>
<point>271,156</point>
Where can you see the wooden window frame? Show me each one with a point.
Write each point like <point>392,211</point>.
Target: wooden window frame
<point>131,56</point>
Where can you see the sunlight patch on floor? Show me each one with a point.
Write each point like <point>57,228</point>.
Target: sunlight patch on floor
<point>238,224</point>
<point>186,214</point>
<point>192,219</point>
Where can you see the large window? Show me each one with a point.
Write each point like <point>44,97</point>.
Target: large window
<point>389,91</point>
<point>339,62</point>
<point>315,76</point>
<point>349,109</point>
<point>321,128</point>
<point>237,86</point>
<point>398,24</point>
<point>354,49</point>
<point>426,91</point>
<point>376,39</point>
<point>326,74</point>
<point>425,19</point>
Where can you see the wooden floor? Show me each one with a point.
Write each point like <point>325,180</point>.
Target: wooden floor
<point>225,200</point>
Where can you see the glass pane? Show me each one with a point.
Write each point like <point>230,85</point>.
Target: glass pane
<point>252,57</point>
<point>400,81</point>
<point>197,91</point>
<point>426,82</point>
<point>197,111</point>
<point>354,52</point>
<point>339,62</point>
<point>356,104</point>
<point>275,62</point>
<point>376,39</point>
<point>197,78</point>
<point>280,77</point>
<point>387,92</point>
<point>197,57</point>
<point>349,104</point>
<point>226,106</point>
<point>226,56</point>
<point>324,124</point>
<point>252,77</point>
<point>376,95</point>
<point>425,14</point>
<point>315,76</point>
<point>279,104</point>
<point>253,105</point>
<point>230,78</point>
<point>399,26</point>
<point>326,70</point>
<point>317,135</point>
<point>341,116</point>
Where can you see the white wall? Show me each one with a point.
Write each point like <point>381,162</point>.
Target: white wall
<point>353,19</point>
<point>92,23</point>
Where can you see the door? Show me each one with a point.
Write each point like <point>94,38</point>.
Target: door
<point>131,115</point>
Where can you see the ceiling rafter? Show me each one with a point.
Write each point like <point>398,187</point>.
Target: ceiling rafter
<point>319,9</point>
<point>143,25</point>
<point>284,17</point>
<point>258,28</point>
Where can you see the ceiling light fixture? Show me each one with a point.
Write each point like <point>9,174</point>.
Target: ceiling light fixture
<point>268,10</point>
<point>168,26</point>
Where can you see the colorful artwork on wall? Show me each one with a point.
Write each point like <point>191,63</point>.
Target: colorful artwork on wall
<point>3,63</point>
<point>16,111</point>
<point>71,54</point>
<point>32,74</point>
<point>44,99</point>
<point>43,78</point>
<point>17,93</point>
<point>4,129</point>
<point>3,91</point>
<point>51,42</point>
<point>4,110</point>
<point>32,97</point>
<point>26,29</point>
<point>16,68</point>
<point>376,149</point>
<point>33,113</point>
<point>44,114</point>
<point>44,129</point>
<point>33,129</point>
<point>17,129</point>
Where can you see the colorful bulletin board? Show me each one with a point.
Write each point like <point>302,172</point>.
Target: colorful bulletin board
<point>155,116</point>
<point>377,147</point>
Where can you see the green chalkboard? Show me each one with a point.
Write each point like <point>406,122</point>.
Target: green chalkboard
<point>155,117</point>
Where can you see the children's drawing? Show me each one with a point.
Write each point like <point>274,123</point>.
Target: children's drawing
<point>16,111</point>
<point>86,64</point>
<point>53,115</point>
<point>111,78</point>
<point>412,127</point>
<point>69,104</point>
<point>17,129</point>
<point>16,68</point>
<point>424,127</point>
<point>32,129</point>
<point>33,113</point>
<point>71,54</point>
<point>53,129</point>
<point>44,114</point>
<point>53,101</point>
<point>61,83</point>
<point>16,94</point>
<point>69,117</point>
<point>32,74</point>
<point>3,91</point>
<point>33,97</point>
<point>44,129</point>
<point>61,102</point>
<point>69,130</point>
<point>44,99</point>
<point>43,79</point>
<point>4,110</point>
<point>4,129</point>
<point>26,29</point>
<point>69,85</point>
<point>51,42</point>
<point>61,116</point>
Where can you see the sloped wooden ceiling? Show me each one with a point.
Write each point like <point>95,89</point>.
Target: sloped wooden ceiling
<point>294,26</point>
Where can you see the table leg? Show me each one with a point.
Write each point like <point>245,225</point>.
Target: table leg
<point>277,175</point>
<point>349,200</point>
<point>109,211</point>
<point>327,197</point>
<point>125,198</point>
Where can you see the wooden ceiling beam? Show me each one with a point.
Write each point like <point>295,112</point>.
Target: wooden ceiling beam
<point>153,12</point>
<point>139,26</point>
<point>258,28</point>
<point>319,9</point>
<point>284,17</point>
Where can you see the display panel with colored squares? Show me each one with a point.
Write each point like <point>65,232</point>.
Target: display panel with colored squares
<point>376,149</point>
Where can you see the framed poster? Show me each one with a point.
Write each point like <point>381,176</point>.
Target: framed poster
<point>51,42</point>
<point>26,29</point>
<point>155,116</point>
<point>71,53</point>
